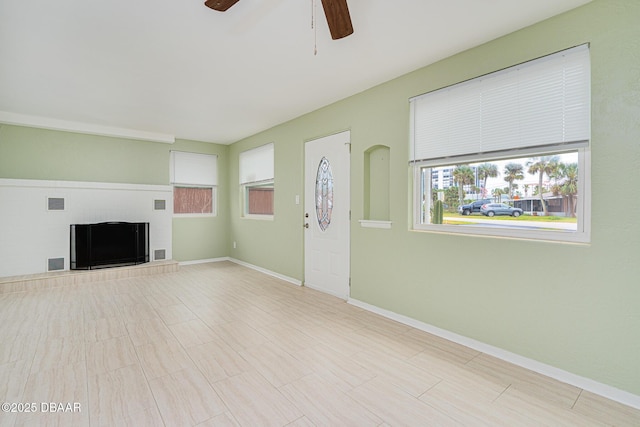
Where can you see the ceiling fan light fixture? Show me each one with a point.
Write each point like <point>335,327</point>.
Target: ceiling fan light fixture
<point>220,5</point>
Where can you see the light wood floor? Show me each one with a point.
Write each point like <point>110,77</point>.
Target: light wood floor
<point>222,345</point>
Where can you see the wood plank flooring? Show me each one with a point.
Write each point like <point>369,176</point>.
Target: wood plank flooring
<point>222,345</point>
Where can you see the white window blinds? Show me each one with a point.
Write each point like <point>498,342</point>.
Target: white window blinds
<point>193,169</point>
<point>256,165</point>
<point>541,102</point>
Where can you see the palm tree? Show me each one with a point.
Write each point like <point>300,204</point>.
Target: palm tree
<point>485,171</point>
<point>463,175</point>
<point>542,165</point>
<point>450,196</point>
<point>569,188</point>
<point>497,194</point>
<point>512,172</point>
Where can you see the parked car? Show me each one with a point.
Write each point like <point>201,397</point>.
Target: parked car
<point>491,209</point>
<point>472,207</point>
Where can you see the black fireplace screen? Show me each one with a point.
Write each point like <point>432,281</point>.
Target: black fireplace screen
<point>109,244</point>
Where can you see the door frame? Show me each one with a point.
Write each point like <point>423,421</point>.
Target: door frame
<point>344,138</point>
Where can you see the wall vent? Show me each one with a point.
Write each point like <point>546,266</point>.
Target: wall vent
<point>159,254</point>
<point>159,205</point>
<point>55,264</point>
<point>55,203</point>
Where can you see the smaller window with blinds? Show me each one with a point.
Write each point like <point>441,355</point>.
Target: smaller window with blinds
<point>256,177</point>
<point>194,178</point>
<point>507,154</point>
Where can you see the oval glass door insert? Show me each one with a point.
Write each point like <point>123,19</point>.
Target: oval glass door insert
<point>324,194</point>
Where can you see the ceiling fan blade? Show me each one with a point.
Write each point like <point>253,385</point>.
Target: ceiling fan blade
<point>338,18</point>
<point>220,5</point>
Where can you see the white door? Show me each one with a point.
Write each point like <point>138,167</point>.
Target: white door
<point>327,211</point>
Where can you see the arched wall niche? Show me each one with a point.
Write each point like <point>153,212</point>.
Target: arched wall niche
<point>376,183</point>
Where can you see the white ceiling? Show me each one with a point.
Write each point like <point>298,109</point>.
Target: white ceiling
<point>177,67</point>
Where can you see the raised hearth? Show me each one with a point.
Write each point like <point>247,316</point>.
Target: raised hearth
<point>44,281</point>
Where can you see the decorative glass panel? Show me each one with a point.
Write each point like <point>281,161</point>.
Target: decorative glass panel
<point>324,194</point>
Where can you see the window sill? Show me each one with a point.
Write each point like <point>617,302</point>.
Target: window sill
<point>372,223</point>
<point>194,215</point>
<point>259,217</point>
<point>580,238</point>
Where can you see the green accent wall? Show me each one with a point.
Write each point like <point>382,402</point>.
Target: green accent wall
<point>207,237</point>
<point>275,244</point>
<point>575,307</point>
<point>30,153</point>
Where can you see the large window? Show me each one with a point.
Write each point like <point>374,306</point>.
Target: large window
<point>256,182</point>
<point>195,179</point>
<point>507,154</point>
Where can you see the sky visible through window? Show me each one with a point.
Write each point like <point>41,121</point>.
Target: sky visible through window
<point>530,180</point>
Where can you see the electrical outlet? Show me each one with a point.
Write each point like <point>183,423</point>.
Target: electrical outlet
<point>234,245</point>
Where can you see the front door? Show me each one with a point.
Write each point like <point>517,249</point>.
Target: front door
<point>327,212</point>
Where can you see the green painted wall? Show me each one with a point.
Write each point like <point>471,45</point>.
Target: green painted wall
<point>575,307</point>
<point>208,237</point>
<point>30,153</point>
<point>273,244</point>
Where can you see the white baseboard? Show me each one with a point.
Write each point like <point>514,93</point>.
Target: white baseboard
<point>204,261</point>
<point>268,272</point>
<point>244,264</point>
<point>590,385</point>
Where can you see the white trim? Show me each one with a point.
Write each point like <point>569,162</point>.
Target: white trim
<point>204,261</point>
<point>244,198</point>
<point>86,128</point>
<point>244,264</point>
<point>328,292</point>
<point>268,272</point>
<point>195,215</point>
<point>265,217</point>
<point>343,136</point>
<point>373,223</point>
<point>37,183</point>
<point>588,384</point>
<point>581,236</point>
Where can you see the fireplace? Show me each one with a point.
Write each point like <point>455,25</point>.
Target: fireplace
<point>109,244</point>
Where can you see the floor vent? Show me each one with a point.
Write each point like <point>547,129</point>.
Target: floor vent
<point>159,254</point>
<point>55,264</point>
<point>55,204</point>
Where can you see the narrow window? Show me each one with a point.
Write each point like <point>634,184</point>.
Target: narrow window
<point>194,178</point>
<point>257,181</point>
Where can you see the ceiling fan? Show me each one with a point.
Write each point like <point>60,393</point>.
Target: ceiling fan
<point>336,11</point>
